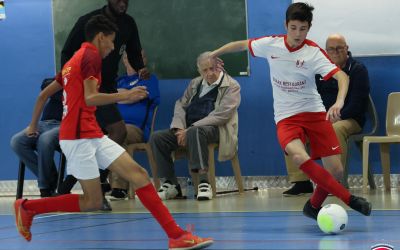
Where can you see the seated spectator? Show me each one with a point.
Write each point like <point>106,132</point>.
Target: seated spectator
<point>352,117</point>
<point>206,113</point>
<point>36,150</point>
<point>137,116</point>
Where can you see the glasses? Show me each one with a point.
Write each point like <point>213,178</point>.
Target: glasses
<point>338,49</point>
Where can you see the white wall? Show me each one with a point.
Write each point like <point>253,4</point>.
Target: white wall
<point>371,27</point>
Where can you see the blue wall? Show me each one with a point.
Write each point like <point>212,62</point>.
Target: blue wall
<point>26,57</point>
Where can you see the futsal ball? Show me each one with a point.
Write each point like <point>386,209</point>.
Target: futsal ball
<point>332,219</point>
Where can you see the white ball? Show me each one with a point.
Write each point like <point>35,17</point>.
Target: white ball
<point>332,219</point>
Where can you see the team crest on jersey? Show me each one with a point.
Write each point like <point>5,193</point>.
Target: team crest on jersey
<point>300,63</point>
<point>66,70</point>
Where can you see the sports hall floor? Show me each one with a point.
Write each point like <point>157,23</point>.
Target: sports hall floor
<point>255,220</point>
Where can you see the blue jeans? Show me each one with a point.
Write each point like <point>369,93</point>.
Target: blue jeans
<point>38,152</point>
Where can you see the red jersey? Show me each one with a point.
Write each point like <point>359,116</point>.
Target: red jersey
<point>79,120</point>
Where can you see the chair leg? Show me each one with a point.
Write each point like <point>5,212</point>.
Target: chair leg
<point>131,189</point>
<point>211,170</point>
<point>61,170</point>
<point>385,162</point>
<point>346,166</point>
<point>236,171</point>
<point>371,180</point>
<point>153,166</point>
<point>21,178</point>
<point>365,156</point>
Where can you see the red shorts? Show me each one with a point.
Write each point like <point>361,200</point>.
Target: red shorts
<point>310,127</point>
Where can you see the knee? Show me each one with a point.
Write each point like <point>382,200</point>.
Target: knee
<point>155,138</point>
<point>193,131</point>
<point>117,134</point>
<point>299,158</point>
<point>141,171</point>
<point>19,143</point>
<point>340,131</point>
<point>14,143</point>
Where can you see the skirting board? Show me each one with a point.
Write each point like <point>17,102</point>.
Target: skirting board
<point>8,188</point>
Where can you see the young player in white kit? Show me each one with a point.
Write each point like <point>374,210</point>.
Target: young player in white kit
<point>299,112</point>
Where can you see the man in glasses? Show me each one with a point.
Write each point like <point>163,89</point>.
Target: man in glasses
<point>352,117</point>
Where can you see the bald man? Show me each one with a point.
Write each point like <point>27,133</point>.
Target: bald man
<point>352,117</point>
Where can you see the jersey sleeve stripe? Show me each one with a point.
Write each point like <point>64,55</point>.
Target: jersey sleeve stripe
<point>250,48</point>
<point>92,78</point>
<point>313,44</point>
<point>330,74</point>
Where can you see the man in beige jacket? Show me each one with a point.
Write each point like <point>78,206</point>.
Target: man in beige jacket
<point>206,113</point>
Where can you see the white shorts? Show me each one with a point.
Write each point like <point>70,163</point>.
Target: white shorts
<point>86,156</point>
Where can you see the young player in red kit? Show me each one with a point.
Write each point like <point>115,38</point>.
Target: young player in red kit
<point>87,149</point>
<point>299,112</point>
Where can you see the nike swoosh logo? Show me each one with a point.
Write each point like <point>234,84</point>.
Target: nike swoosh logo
<point>334,148</point>
<point>274,57</point>
<point>133,83</point>
<point>189,241</point>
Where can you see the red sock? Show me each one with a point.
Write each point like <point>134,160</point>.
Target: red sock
<point>324,179</point>
<point>149,198</point>
<point>318,197</point>
<point>62,203</point>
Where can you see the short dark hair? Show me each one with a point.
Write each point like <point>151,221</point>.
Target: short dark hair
<point>97,24</point>
<point>300,11</point>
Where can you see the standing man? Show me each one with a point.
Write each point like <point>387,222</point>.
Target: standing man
<point>299,113</point>
<point>352,115</point>
<point>126,39</point>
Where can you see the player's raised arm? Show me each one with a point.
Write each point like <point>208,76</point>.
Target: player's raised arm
<point>230,48</point>
<point>94,98</point>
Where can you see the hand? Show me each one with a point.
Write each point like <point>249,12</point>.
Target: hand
<point>136,94</point>
<point>220,64</point>
<point>31,131</point>
<point>333,113</point>
<point>181,137</point>
<point>144,73</point>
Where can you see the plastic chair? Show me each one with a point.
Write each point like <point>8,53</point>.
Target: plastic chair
<point>145,147</point>
<point>21,175</point>
<point>181,153</point>
<point>392,136</point>
<point>357,139</point>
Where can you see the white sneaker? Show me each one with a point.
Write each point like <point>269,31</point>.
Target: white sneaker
<point>204,192</point>
<point>167,191</point>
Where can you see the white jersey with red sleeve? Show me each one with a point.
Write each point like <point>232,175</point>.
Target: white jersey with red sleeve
<point>292,72</point>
